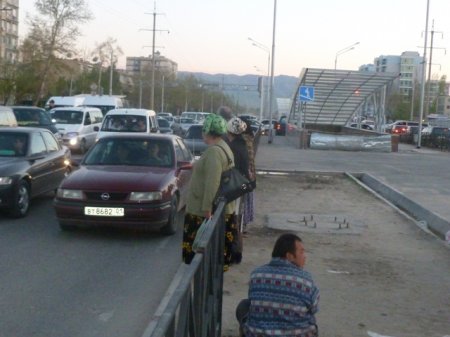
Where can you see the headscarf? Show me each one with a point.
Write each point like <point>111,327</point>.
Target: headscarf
<point>214,125</point>
<point>236,126</point>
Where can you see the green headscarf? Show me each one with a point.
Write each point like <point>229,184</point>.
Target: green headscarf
<point>214,125</point>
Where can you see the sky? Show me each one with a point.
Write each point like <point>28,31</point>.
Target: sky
<point>211,36</point>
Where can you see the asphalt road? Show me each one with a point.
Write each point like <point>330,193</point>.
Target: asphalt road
<point>83,283</point>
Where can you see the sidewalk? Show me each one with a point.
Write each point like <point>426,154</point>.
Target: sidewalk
<point>366,296</point>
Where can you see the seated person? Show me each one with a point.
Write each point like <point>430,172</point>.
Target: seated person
<point>19,146</point>
<point>140,126</point>
<point>154,155</point>
<point>282,297</point>
<point>121,155</point>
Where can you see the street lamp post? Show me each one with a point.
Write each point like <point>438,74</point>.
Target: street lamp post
<point>267,50</point>
<point>270,138</point>
<point>342,51</point>
<point>261,106</point>
<point>422,89</point>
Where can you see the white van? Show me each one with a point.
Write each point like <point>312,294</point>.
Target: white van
<point>65,101</point>
<point>198,117</point>
<point>7,117</point>
<point>129,120</point>
<point>78,126</point>
<point>104,102</point>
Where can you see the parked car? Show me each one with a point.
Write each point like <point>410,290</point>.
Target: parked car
<point>34,116</point>
<point>266,126</point>
<point>120,183</point>
<point>363,126</point>
<point>78,126</point>
<point>32,162</point>
<point>194,140</point>
<point>186,123</point>
<point>281,126</point>
<point>436,136</point>
<point>164,125</point>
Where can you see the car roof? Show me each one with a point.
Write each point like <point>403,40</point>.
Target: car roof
<point>141,135</point>
<point>28,107</point>
<point>22,129</point>
<point>76,108</point>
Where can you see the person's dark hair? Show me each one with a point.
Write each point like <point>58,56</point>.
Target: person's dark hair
<point>285,244</point>
<point>225,112</point>
<point>51,101</point>
<point>248,130</point>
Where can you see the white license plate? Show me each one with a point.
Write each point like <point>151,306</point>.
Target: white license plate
<point>104,211</point>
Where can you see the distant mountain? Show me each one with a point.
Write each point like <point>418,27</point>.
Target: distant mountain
<point>244,87</point>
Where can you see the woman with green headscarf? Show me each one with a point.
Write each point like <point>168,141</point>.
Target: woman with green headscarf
<point>203,188</point>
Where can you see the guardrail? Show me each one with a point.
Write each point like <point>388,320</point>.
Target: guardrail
<point>193,304</point>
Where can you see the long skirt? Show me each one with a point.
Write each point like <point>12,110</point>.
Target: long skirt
<point>231,253</point>
<point>248,213</point>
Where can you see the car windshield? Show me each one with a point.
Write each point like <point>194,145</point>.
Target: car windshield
<point>186,121</point>
<point>67,116</point>
<point>194,133</point>
<point>124,123</point>
<point>13,144</point>
<point>132,152</point>
<point>163,123</point>
<point>31,117</point>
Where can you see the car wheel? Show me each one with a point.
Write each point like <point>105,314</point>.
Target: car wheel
<point>83,146</point>
<point>171,226</point>
<point>21,202</point>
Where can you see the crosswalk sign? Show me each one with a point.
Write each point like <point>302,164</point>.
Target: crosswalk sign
<point>306,93</point>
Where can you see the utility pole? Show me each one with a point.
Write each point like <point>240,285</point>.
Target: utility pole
<point>428,96</point>
<point>154,30</point>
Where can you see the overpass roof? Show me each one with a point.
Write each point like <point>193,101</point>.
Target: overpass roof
<point>338,94</point>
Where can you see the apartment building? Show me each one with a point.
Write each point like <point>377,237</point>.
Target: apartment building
<point>9,30</point>
<point>142,66</point>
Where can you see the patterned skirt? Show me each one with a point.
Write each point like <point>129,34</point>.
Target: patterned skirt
<point>232,253</point>
<point>248,216</point>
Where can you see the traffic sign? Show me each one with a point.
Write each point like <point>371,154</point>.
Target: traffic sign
<point>306,93</point>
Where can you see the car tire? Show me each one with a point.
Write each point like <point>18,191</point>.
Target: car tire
<point>21,203</point>
<point>171,227</point>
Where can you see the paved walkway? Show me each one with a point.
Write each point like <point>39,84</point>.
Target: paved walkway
<point>423,175</point>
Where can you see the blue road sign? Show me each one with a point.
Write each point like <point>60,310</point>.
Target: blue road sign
<point>306,93</point>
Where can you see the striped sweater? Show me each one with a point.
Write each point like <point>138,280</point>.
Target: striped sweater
<point>283,300</point>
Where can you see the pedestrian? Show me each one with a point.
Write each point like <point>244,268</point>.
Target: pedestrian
<point>225,112</point>
<point>248,211</point>
<point>238,146</point>
<point>282,297</point>
<point>51,104</point>
<point>203,188</point>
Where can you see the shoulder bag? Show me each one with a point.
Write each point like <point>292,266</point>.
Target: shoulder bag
<point>232,183</point>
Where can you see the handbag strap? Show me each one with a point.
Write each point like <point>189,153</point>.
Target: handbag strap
<point>226,154</point>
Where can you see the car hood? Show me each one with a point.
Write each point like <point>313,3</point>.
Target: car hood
<point>10,166</point>
<point>66,128</point>
<point>118,178</point>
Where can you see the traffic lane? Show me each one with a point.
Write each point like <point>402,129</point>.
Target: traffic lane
<point>83,283</point>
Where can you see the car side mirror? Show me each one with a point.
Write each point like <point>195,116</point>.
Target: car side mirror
<point>182,165</point>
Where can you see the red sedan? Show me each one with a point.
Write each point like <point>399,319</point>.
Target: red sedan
<point>127,180</point>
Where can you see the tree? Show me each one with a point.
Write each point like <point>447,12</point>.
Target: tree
<point>106,52</point>
<point>53,31</point>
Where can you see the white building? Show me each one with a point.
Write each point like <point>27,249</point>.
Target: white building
<point>9,30</point>
<point>139,65</point>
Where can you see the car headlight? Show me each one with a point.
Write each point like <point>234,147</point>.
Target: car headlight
<point>5,181</point>
<point>69,194</point>
<point>145,196</point>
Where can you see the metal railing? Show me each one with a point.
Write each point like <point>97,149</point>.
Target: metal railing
<point>192,307</point>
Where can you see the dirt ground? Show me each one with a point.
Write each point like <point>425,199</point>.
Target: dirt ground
<point>389,278</point>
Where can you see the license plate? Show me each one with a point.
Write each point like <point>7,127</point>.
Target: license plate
<point>104,211</point>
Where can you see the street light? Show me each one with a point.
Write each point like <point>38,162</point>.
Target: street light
<point>261,107</point>
<point>342,51</point>
<point>267,50</point>
<point>272,68</point>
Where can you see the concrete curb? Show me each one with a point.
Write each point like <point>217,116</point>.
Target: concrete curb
<point>437,224</point>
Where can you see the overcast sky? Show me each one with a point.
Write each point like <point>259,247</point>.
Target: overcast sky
<point>212,35</point>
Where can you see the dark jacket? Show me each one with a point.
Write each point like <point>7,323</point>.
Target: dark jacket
<point>241,160</point>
